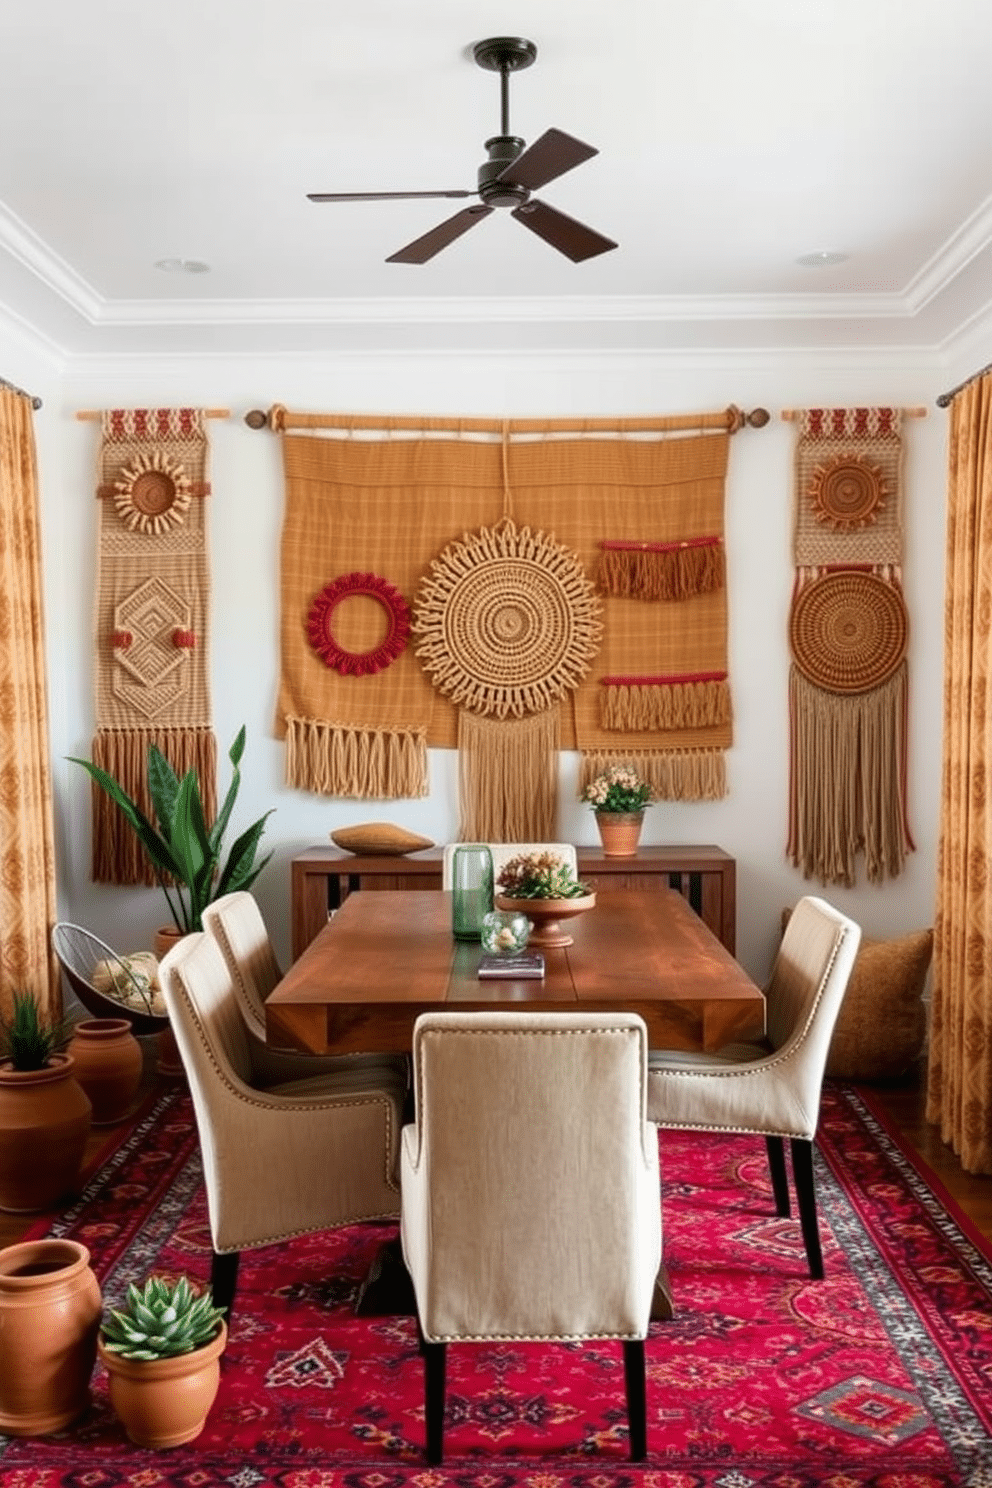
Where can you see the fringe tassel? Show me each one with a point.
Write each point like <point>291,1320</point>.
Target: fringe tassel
<point>847,791</point>
<point>118,856</point>
<point>335,760</point>
<point>629,707</point>
<point>508,777</point>
<point>689,775</point>
<point>661,573</point>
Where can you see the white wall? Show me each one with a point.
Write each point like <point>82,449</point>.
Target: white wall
<point>245,515</point>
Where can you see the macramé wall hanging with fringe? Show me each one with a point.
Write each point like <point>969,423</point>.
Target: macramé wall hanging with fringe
<point>848,636</point>
<point>152,619</point>
<point>567,590</point>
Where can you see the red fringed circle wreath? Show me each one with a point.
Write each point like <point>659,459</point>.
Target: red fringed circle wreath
<point>364,663</point>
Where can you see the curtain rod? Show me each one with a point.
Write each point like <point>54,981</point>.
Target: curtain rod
<point>793,414</point>
<point>946,398</point>
<point>12,386</point>
<point>731,419</point>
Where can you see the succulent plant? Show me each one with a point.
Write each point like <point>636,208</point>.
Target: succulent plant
<point>161,1321</point>
<point>27,1040</point>
<point>542,875</point>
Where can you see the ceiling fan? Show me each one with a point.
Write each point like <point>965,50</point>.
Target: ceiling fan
<point>506,179</point>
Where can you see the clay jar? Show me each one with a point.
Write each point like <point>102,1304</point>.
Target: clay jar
<point>108,1066</point>
<point>619,832</point>
<point>45,1118</point>
<point>50,1308</point>
<point>165,1402</point>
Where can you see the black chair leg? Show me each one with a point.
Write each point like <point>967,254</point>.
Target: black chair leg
<point>780,1182</point>
<point>637,1411</point>
<point>224,1280</point>
<point>434,1359</point>
<point>802,1172</point>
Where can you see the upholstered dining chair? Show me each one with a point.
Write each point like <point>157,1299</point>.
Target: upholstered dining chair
<point>236,923</point>
<point>530,1200</point>
<point>280,1158</point>
<point>503,851</point>
<point>772,1089</point>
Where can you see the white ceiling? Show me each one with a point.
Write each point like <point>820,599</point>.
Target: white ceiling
<point>734,136</point>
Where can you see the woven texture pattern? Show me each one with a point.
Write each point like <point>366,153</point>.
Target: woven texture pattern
<point>152,618</point>
<point>394,506</point>
<point>848,631</point>
<point>848,468</point>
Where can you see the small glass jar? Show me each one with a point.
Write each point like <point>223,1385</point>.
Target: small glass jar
<point>471,889</point>
<point>505,932</point>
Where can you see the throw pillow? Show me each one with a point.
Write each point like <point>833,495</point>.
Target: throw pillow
<point>882,1025</point>
<point>379,839</point>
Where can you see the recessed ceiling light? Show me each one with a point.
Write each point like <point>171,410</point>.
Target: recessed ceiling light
<point>182,266</point>
<point>823,260</point>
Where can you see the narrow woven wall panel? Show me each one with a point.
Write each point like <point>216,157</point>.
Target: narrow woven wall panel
<point>152,617</point>
<point>848,487</point>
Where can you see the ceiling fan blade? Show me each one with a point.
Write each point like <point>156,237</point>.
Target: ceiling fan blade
<point>572,238</point>
<point>548,157</point>
<point>421,249</point>
<point>326,196</point>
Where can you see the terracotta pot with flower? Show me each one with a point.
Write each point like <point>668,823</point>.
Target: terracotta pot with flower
<point>618,797</point>
<point>542,886</point>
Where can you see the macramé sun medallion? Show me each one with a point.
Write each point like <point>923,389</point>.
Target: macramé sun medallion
<point>847,493</point>
<point>152,493</point>
<point>508,621</point>
<point>358,663</point>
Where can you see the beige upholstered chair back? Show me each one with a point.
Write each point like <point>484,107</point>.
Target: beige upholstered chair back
<point>204,993</point>
<point>235,922</point>
<point>531,1204</point>
<point>503,851</point>
<point>809,978</point>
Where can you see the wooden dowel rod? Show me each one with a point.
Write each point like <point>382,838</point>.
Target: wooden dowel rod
<point>731,419</point>
<point>93,415</point>
<point>791,414</point>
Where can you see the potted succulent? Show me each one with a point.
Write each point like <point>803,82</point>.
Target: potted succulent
<point>186,853</point>
<point>45,1115</point>
<point>161,1352</point>
<point>542,886</point>
<point>618,797</point>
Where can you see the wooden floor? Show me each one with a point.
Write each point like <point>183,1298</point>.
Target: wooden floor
<point>903,1105</point>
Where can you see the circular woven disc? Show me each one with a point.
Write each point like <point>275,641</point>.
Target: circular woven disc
<point>847,493</point>
<point>848,631</point>
<point>509,622</point>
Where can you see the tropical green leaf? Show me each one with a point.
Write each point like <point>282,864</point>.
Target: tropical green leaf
<point>237,871</point>
<point>163,787</point>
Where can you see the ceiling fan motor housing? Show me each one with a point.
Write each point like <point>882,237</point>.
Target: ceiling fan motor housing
<point>503,150</point>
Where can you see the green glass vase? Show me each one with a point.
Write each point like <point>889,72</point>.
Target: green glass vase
<point>471,889</point>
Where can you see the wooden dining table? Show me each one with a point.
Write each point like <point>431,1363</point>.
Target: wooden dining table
<point>386,957</point>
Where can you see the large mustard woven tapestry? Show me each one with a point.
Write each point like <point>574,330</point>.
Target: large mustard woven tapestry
<point>508,597</point>
<point>152,619</point>
<point>848,633</point>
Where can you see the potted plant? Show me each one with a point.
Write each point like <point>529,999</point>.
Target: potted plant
<point>542,886</point>
<point>186,853</point>
<point>161,1352</point>
<point>618,797</point>
<point>45,1115</point>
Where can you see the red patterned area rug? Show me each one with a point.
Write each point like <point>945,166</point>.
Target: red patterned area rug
<point>879,1375</point>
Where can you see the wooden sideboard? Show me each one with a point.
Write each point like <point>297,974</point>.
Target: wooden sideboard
<point>323,877</point>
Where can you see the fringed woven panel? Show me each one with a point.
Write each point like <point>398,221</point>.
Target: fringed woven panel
<point>848,635</point>
<point>152,620</point>
<point>391,507</point>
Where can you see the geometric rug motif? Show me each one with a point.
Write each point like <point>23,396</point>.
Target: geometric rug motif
<point>878,1376</point>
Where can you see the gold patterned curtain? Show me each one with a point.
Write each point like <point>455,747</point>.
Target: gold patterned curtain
<point>959,1096</point>
<point>27,851</point>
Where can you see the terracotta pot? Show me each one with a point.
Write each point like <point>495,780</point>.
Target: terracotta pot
<point>50,1308</point>
<point>45,1118</point>
<point>169,1060</point>
<point>619,832</point>
<point>108,1066</point>
<point>165,1402</point>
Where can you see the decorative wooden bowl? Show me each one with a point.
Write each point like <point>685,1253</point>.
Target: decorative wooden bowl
<point>546,914</point>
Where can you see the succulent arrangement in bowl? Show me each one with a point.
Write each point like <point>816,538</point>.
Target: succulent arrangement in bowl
<point>160,1321</point>
<point>542,875</point>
